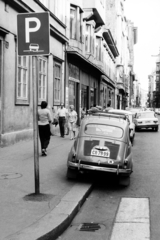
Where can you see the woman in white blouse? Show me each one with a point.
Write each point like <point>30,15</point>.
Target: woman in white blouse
<point>72,120</point>
<point>44,119</point>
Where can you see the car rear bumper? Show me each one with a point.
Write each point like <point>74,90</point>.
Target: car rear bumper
<point>118,171</point>
<point>147,126</point>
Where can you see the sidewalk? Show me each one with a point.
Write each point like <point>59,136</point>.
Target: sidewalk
<point>26,216</point>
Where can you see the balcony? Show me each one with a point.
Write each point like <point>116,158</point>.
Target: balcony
<point>110,41</point>
<point>94,10</point>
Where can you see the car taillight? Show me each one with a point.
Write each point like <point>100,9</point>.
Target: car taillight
<point>138,122</point>
<point>125,163</point>
<point>73,158</point>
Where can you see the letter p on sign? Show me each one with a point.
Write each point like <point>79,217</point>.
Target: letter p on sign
<point>28,29</point>
<point>33,33</point>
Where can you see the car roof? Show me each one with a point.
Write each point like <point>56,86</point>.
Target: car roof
<point>147,111</point>
<point>106,118</point>
<point>134,109</point>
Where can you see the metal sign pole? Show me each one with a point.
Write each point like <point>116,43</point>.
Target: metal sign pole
<point>34,40</point>
<point>35,122</point>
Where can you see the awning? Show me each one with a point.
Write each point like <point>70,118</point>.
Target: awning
<point>83,62</point>
<point>3,31</point>
<point>120,86</point>
<point>93,14</point>
<point>108,80</point>
<point>110,41</point>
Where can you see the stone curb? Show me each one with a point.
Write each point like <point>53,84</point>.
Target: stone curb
<point>54,223</point>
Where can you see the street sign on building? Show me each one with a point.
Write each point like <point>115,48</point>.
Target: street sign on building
<point>33,34</point>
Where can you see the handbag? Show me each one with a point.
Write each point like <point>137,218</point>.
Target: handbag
<point>52,129</point>
<point>55,122</point>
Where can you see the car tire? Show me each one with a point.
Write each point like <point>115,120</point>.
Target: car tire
<point>156,129</point>
<point>124,181</point>
<point>136,129</point>
<point>71,173</point>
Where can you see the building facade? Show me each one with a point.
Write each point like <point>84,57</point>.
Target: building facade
<point>90,57</point>
<point>16,92</point>
<point>87,64</point>
<point>125,35</point>
<point>151,89</point>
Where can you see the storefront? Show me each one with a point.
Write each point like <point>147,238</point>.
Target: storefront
<point>107,91</point>
<point>83,87</point>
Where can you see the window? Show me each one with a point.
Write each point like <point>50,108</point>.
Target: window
<point>57,7</point>
<point>75,23</point>
<point>57,82</point>
<point>22,79</point>
<point>42,79</point>
<point>88,38</point>
<point>103,130</point>
<point>93,45</point>
<point>98,49</point>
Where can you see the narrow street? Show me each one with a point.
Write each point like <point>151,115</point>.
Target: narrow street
<point>103,204</point>
<point>62,62</point>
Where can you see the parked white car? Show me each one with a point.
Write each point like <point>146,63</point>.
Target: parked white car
<point>157,111</point>
<point>130,116</point>
<point>146,119</point>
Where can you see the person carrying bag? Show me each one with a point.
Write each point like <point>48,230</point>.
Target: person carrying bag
<point>53,126</point>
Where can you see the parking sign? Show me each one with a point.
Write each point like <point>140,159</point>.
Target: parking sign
<point>33,34</point>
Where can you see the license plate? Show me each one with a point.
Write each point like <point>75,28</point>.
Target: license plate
<point>98,153</point>
<point>147,121</point>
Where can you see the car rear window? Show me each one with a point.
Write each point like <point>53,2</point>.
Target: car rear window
<point>146,115</point>
<point>104,130</point>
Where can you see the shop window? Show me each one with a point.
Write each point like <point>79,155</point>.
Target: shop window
<point>84,96</point>
<point>57,82</point>
<point>72,93</point>
<point>42,79</point>
<point>74,71</point>
<point>22,88</point>
<point>91,97</point>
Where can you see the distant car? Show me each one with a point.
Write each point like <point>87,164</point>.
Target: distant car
<point>131,121</point>
<point>134,110</point>
<point>34,47</point>
<point>158,111</point>
<point>146,119</point>
<point>103,144</point>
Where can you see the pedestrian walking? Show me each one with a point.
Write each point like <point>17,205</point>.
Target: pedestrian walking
<point>83,113</point>
<point>72,120</point>
<point>62,116</point>
<point>44,120</point>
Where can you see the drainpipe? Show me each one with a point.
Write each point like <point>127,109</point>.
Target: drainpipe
<point>65,73</point>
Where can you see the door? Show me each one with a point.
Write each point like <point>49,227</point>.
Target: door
<point>72,93</point>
